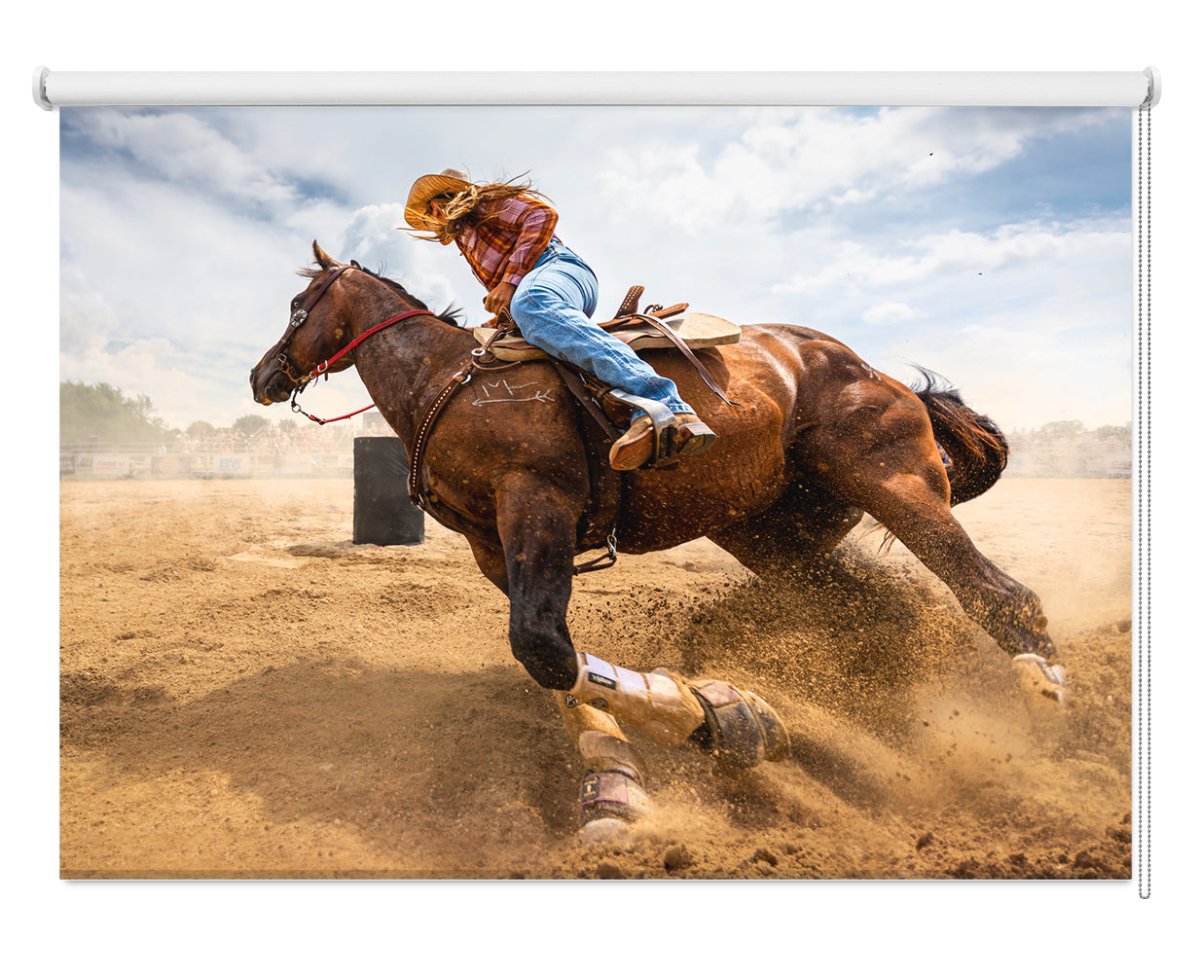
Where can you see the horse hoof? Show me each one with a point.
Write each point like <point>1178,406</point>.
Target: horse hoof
<point>740,728</point>
<point>1044,687</point>
<point>608,802</point>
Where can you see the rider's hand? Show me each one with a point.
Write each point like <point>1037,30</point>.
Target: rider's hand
<point>499,297</point>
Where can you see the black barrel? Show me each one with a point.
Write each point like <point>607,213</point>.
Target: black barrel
<point>383,514</point>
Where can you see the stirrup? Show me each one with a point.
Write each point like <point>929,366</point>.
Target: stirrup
<point>662,421</point>
<point>693,437</point>
<point>673,439</point>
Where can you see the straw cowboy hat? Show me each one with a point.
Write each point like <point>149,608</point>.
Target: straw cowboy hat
<point>416,210</point>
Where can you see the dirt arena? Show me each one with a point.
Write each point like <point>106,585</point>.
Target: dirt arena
<point>246,693</point>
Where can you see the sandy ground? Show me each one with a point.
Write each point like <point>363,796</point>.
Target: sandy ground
<point>246,693</point>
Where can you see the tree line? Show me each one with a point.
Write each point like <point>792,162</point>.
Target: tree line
<point>103,413</point>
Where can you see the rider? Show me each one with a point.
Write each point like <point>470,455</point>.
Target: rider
<point>506,232</point>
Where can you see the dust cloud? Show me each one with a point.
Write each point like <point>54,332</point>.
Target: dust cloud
<point>246,693</point>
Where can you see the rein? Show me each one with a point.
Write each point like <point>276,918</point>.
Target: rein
<point>428,420</point>
<point>318,370</point>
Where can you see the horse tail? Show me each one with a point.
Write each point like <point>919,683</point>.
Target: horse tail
<point>976,447</point>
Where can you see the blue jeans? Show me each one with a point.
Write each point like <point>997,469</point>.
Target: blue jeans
<point>552,305</point>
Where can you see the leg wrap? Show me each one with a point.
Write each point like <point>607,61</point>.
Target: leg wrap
<point>740,727</point>
<point>602,753</point>
<point>609,794</point>
<point>1044,686</point>
<point>658,703</point>
<point>1039,679</point>
<point>611,786</point>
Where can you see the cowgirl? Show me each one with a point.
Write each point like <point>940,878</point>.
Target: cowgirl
<point>506,232</point>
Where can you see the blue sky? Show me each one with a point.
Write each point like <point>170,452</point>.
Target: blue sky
<point>991,245</point>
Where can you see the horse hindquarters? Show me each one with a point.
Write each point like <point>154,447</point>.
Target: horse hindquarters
<point>870,443</point>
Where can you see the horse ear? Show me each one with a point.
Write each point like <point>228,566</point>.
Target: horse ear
<point>323,259</point>
<point>356,265</point>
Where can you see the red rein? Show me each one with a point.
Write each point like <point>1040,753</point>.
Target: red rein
<point>321,369</point>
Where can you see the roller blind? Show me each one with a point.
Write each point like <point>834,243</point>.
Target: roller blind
<point>1129,89</point>
<point>894,559</point>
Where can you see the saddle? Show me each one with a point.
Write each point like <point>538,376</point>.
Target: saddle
<point>600,523</point>
<point>654,327</point>
<point>638,330</point>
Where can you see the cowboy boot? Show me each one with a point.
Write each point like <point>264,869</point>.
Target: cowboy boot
<point>636,448</point>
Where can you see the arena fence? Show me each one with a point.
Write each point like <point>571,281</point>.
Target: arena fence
<point>154,461</point>
<point>1085,458</point>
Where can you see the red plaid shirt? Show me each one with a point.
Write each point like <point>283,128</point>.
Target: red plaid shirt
<point>506,243</point>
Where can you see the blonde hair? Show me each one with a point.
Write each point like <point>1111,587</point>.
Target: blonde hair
<point>465,209</point>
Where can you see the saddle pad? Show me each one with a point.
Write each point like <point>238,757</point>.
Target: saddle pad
<point>696,329</point>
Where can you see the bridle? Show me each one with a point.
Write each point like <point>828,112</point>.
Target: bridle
<point>291,370</point>
<point>299,316</point>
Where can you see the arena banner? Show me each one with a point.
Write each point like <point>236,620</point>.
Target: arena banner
<point>768,466</point>
<point>111,464</point>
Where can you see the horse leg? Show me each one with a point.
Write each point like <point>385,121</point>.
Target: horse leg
<point>921,519</point>
<point>611,789</point>
<point>883,459</point>
<point>735,725</point>
<point>1002,606</point>
<point>536,522</point>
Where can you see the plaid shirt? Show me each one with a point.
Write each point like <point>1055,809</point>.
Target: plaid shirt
<point>506,243</point>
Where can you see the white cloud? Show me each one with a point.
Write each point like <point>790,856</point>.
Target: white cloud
<point>186,150</point>
<point>938,255</point>
<point>166,295</point>
<point>890,312</point>
<point>94,349</point>
<point>181,230</point>
<point>795,159</point>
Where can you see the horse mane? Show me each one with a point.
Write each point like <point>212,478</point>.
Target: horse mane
<point>452,315</point>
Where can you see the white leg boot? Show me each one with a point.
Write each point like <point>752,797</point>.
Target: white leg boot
<point>658,703</point>
<point>611,790</point>
<point>738,727</point>
<point>1044,686</point>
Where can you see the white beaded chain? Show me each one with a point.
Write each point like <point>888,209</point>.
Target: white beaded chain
<point>1143,501</point>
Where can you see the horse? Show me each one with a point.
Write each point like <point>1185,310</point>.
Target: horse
<point>815,439</point>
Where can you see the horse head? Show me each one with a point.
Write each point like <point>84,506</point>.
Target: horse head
<point>317,327</point>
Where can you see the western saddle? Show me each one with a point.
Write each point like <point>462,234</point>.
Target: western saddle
<point>501,347</point>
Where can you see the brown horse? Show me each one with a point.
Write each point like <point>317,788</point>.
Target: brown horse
<point>816,438</point>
